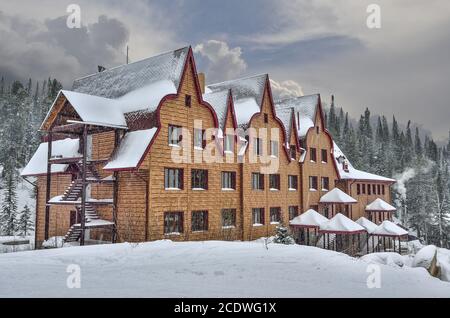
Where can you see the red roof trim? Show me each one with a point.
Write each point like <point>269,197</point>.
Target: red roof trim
<point>189,58</point>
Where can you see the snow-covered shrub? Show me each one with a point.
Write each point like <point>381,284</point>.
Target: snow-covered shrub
<point>283,236</point>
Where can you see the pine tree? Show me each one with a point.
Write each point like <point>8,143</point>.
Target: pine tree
<point>2,86</point>
<point>8,212</point>
<point>418,144</point>
<point>283,236</point>
<point>25,224</point>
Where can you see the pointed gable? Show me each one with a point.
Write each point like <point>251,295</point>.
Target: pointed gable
<point>247,95</point>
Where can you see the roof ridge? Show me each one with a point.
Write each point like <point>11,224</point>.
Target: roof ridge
<point>135,62</point>
<point>238,79</point>
<point>277,102</point>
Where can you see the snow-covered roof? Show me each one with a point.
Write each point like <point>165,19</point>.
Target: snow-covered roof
<point>286,115</point>
<point>340,223</point>
<point>96,110</point>
<point>354,174</point>
<point>218,102</point>
<point>380,205</point>
<point>66,148</point>
<point>310,218</point>
<point>131,149</point>
<point>337,196</point>
<point>118,81</point>
<point>389,228</point>
<point>247,95</point>
<point>305,108</point>
<point>367,224</point>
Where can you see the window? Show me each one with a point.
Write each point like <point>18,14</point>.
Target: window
<point>173,222</point>
<point>292,182</point>
<point>257,181</point>
<point>312,183</point>
<point>173,178</point>
<point>175,135</point>
<point>312,154</point>
<point>199,179</point>
<point>369,189</point>
<point>317,129</point>
<point>274,148</point>
<point>275,215</point>
<point>228,218</point>
<point>363,186</point>
<point>199,221</point>
<point>378,189</point>
<point>382,188</point>
<point>324,156</point>
<point>325,183</point>
<point>258,216</point>
<point>293,212</point>
<point>257,146</point>
<point>199,141</point>
<point>374,188</point>
<point>292,152</point>
<point>274,182</point>
<point>358,189</point>
<point>229,180</point>
<point>266,118</point>
<point>229,143</point>
<point>187,100</point>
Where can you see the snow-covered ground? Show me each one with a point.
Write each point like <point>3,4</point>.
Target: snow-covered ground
<point>206,269</point>
<point>22,243</point>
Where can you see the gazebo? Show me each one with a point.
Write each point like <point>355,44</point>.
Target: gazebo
<point>338,201</point>
<point>379,210</point>
<point>370,228</point>
<point>340,232</point>
<point>306,223</point>
<point>390,231</point>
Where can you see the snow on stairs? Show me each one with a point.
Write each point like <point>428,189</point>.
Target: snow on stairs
<point>73,192</point>
<point>74,232</point>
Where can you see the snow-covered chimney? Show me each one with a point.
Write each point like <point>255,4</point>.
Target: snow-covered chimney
<point>345,165</point>
<point>202,80</point>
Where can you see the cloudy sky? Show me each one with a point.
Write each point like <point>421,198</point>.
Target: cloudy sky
<point>306,46</point>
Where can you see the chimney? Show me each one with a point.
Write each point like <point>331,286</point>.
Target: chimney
<point>101,68</point>
<point>201,80</point>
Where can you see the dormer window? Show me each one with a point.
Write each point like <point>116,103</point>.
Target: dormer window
<point>317,129</point>
<point>266,118</point>
<point>292,152</point>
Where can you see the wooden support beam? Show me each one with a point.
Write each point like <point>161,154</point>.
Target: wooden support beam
<point>83,191</point>
<point>115,189</point>
<point>49,183</point>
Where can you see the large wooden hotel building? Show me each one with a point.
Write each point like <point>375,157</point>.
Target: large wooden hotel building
<point>148,151</point>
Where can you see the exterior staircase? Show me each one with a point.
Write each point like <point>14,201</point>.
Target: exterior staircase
<point>74,232</point>
<point>73,192</point>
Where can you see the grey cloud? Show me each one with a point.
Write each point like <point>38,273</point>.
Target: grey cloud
<point>35,49</point>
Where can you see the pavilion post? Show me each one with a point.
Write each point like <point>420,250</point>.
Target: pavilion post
<point>307,236</point>
<point>367,243</point>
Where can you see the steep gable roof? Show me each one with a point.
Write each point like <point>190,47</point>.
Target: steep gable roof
<point>305,108</point>
<point>247,94</point>
<point>353,173</point>
<point>136,82</point>
<point>219,102</point>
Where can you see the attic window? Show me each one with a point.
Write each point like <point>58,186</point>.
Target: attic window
<point>187,101</point>
<point>317,129</point>
<point>266,118</point>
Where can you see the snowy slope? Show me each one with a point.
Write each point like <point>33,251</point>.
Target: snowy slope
<point>206,269</point>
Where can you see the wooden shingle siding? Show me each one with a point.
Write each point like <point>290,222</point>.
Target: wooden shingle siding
<point>319,169</point>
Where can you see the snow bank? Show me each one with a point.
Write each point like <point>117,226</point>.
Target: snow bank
<point>385,258</point>
<point>205,269</point>
<point>424,257</point>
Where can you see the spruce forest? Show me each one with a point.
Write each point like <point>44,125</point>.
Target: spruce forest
<point>380,146</point>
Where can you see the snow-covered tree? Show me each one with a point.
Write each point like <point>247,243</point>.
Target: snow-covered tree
<point>283,236</point>
<point>25,223</point>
